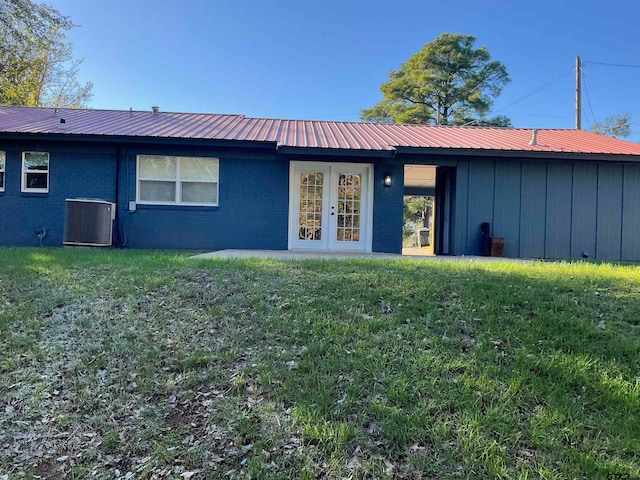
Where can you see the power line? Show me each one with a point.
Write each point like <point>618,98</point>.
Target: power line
<point>542,87</point>
<point>533,92</point>
<point>586,90</point>
<point>611,64</point>
<point>528,114</point>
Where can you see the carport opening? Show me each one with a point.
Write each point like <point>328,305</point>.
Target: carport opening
<point>418,231</point>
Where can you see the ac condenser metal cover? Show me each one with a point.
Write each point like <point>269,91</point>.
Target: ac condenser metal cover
<point>88,222</point>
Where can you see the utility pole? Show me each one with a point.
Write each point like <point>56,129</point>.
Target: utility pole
<point>578,94</point>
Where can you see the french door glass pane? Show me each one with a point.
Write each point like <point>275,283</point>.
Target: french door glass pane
<point>349,198</point>
<point>310,212</point>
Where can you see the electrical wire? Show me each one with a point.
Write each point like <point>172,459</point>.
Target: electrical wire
<point>533,92</point>
<point>539,89</point>
<point>622,65</point>
<point>586,91</point>
<point>611,64</point>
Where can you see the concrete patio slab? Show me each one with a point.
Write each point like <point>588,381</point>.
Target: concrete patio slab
<point>327,255</point>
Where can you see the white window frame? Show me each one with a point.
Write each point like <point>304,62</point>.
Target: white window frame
<point>3,166</point>
<point>24,174</point>
<point>178,181</point>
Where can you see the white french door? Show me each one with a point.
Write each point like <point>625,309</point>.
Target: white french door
<point>330,206</point>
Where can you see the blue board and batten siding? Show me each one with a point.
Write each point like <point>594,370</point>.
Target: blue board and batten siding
<point>550,209</point>
<point>631,213</point>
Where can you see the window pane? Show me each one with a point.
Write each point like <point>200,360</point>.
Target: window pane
<point>37,180</point>
<point>205,169</point>
<point>2,158</point>
<point>197,192</point>
<point>157,167</point>
<point>157,191</point>
<point>36,161</point>
<point>1,179</point>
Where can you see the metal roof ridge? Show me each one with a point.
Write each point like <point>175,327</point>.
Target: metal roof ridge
<point>114,110</point>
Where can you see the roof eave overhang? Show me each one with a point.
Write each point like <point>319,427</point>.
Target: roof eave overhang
<point>317,151</point>
<point>124,139</point>
<point>539,155</point>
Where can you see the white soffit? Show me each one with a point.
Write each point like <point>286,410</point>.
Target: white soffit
<point>419,176</point>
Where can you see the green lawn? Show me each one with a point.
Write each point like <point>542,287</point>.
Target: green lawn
<point>128,364</point>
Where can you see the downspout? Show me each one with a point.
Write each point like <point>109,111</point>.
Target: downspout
<point>119,243</point>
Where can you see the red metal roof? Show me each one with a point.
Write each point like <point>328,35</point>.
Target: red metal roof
<point>303,133</point>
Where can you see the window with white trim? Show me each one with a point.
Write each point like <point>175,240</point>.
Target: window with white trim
<point>167,180</point>
<point>3,158</point>
<point>35,172</point>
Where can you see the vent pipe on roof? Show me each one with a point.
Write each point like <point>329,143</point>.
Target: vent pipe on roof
<point>534,138</point>
<point>155,109</point>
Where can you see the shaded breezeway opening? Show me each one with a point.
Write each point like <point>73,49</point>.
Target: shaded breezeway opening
<point>428,197</point>
<point>419,208</point>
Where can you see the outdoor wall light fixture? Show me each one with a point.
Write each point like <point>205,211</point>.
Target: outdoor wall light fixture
<point>387,179</point>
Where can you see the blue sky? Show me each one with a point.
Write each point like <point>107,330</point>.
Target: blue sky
<point>325,60</point>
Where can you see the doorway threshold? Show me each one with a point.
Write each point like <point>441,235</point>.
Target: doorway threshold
<point>418,251</point>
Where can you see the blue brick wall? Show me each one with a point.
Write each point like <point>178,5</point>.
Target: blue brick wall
<point>73,173</point>
<point>388,208</point>
<point>252,210</point>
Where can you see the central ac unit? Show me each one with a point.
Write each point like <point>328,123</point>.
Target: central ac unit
<point>88,222</point>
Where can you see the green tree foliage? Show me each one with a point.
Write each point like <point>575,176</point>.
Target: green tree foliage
<point>415,209</point>
<point>37,67</point>
<point>616,126</point>
<point>448,82</point>
<point>417,213</point>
